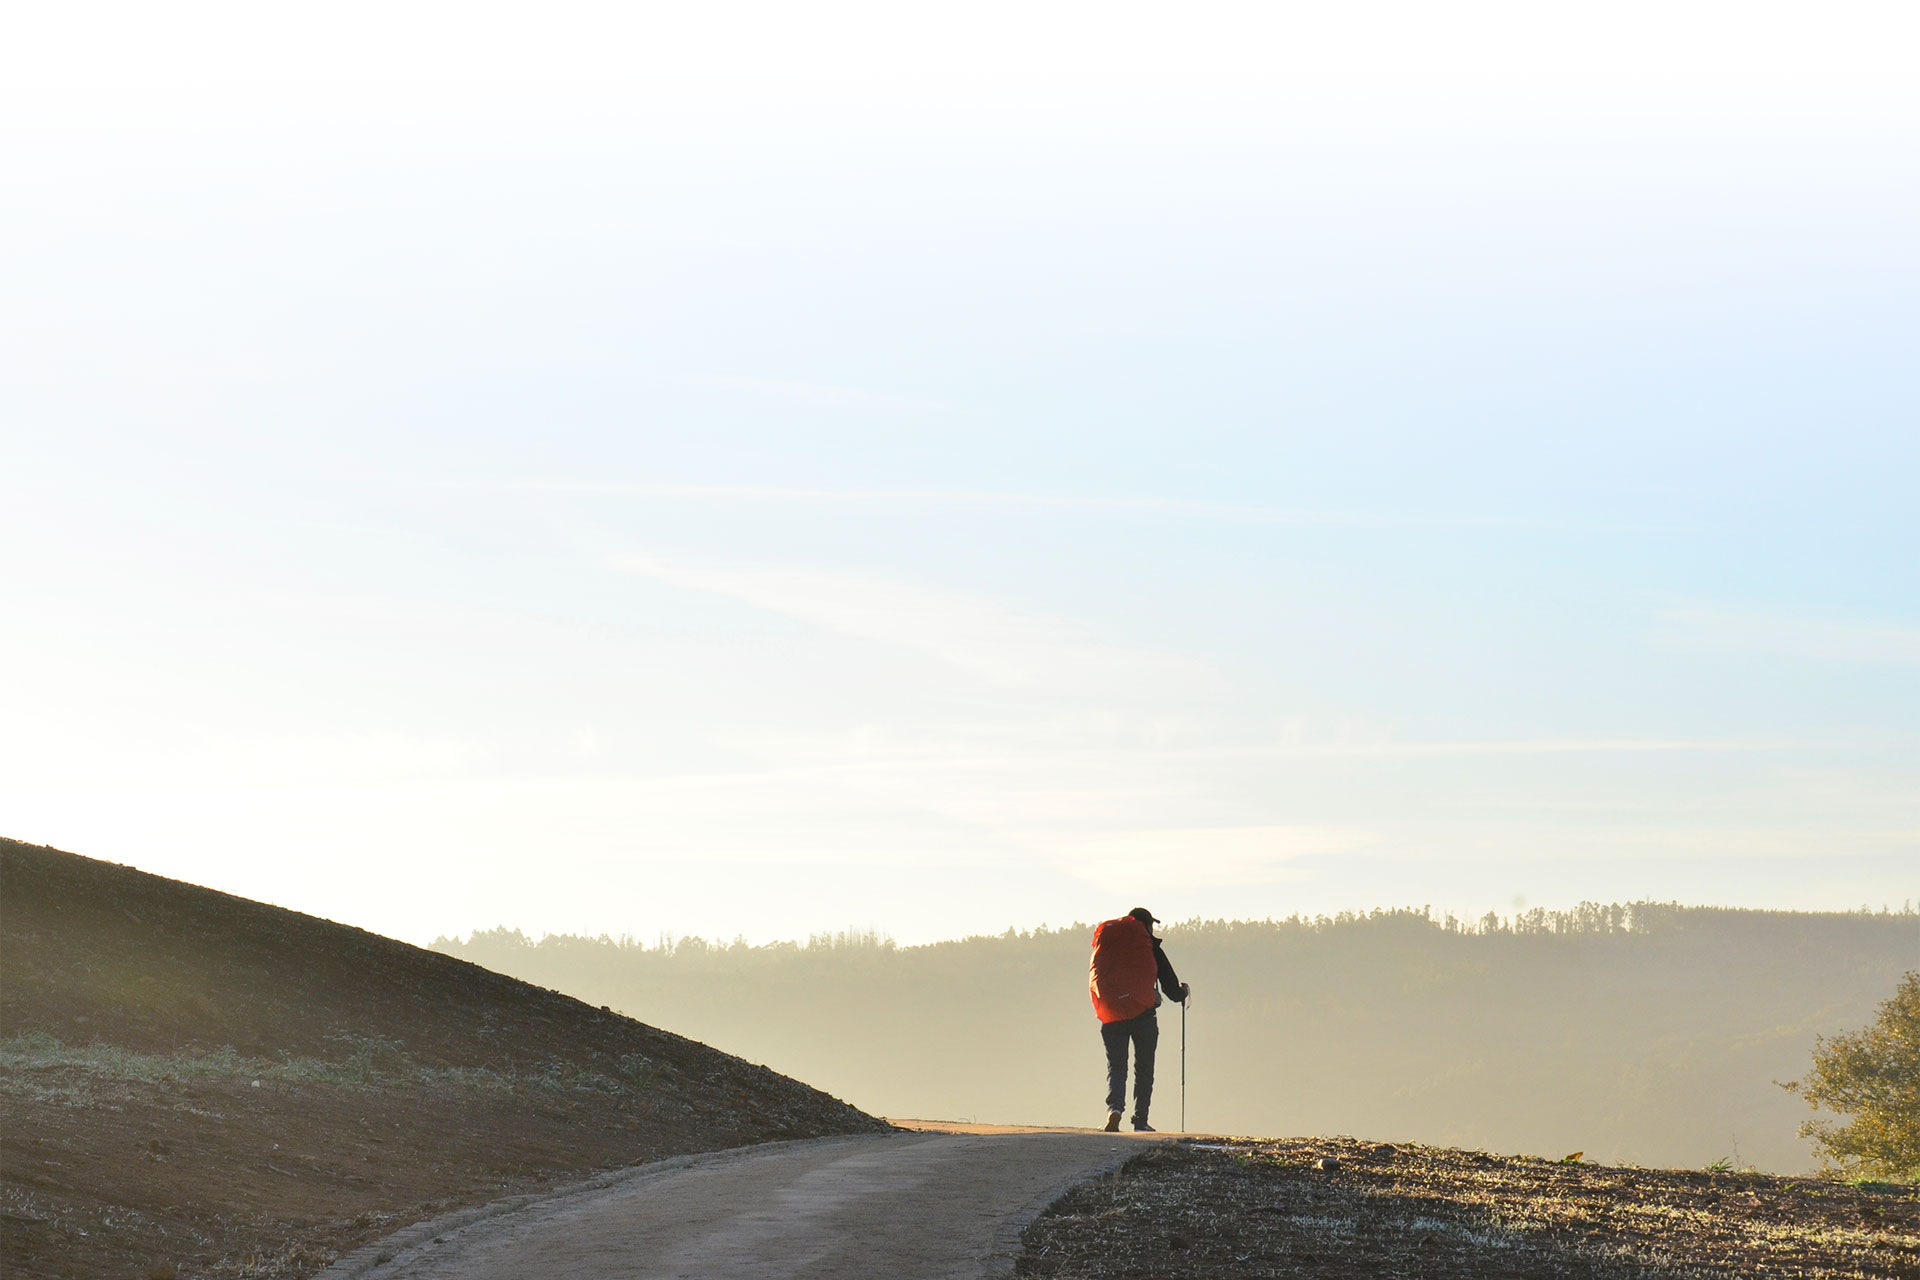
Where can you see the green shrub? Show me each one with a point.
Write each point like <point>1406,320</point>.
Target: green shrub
<point>1873,1076</point>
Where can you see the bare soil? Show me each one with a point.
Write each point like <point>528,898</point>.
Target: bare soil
<point>393,1083</point>
<point>1246,1208</point>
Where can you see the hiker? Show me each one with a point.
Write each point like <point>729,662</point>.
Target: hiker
<point>1128,962</point>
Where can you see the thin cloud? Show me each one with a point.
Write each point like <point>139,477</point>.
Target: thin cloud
<point>1829,639</point>
<point>1209,856</point>
<point>1621,842</point>
<point>776,494</point>
<point>1526,747</point>
<point>812,393</point>
<point>905,759</point>
<point>1147,506</point>
<point>982,637</point>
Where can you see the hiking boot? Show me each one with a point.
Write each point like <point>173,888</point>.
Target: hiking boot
<point>1113,1122</point>
<point>1141,1126</point>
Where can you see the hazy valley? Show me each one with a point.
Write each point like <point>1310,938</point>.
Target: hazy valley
<point>1645,1033</point>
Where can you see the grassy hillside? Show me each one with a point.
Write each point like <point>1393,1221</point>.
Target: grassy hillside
<point>198,1083</point>
<point>1643,1033</point>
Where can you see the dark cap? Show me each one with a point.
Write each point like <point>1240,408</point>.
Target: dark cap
<point>1143,915</point>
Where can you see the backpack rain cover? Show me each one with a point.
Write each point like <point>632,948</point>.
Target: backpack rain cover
<point>1121,975</point>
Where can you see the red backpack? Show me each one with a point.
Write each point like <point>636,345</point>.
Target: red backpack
<point>1122,973</point>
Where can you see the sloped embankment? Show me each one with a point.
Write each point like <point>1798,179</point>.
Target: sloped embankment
<point>199,1084</point>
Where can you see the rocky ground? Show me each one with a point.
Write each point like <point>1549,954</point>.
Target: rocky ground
<point>194,1084</point>
<point>1247,1208</point>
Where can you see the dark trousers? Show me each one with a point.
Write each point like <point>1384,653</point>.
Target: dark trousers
<point>1143,1032</point>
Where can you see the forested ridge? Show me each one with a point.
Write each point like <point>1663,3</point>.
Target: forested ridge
<point>1642,1032</point>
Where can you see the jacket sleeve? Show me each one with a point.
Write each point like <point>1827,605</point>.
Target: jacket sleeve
<point>1169,980</point>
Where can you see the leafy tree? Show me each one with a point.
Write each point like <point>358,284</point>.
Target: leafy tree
<point>1874,1076</point>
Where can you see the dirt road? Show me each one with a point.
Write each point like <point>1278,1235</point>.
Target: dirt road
<point>900,1206</point>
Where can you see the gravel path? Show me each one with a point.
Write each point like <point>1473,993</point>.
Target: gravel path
<point>900,1206</point>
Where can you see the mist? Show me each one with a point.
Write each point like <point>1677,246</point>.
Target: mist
<point>1645,1033</point>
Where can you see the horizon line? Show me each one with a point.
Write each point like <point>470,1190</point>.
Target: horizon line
<point>882,938</point>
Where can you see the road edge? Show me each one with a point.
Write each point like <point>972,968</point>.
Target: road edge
<point>1004,1256</point>
<point>369,1261</point>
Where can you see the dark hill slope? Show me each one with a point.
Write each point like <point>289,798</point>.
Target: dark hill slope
<point>207,1079</point>
<point>96,951</point>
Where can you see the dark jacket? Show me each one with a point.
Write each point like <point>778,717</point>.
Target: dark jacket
<point>1169,980</point>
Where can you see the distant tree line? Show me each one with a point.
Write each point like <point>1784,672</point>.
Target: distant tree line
<point>1647,1032</point>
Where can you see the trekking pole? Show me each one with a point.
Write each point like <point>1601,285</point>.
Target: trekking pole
<point>1183,1063</point>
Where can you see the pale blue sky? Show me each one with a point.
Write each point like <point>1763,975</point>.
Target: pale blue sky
<point>589,471</point>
